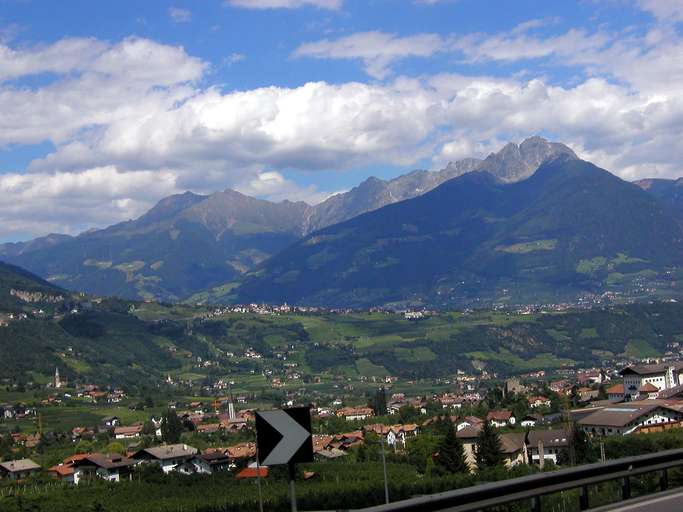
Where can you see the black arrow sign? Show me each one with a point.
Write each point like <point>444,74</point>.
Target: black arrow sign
<point>284,436</point>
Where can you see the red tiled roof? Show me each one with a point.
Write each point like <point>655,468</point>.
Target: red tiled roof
<point>648,387</point>
<point>499,415</point>
<point>242,451</point>
<point>76,457</point>
<point>617,389</point>
<point>62,470</point>
<point>252,473</point>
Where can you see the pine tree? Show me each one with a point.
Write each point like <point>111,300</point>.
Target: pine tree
<point>489,452</point>
<point>171,427</point>
<point>451,454</point>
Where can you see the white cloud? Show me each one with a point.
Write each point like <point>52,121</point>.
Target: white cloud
<point>311,127</point>
<point>286,4</point>
<point>64,56</point>
<point>377,50</point>
<point>517,45</point>
<point>234,58</point>
<point>72,202</point>
<point>665,10</point>
<point>179,15</point>
<point>274,186</point>
<point>97,83</point>
<point>131,122</point>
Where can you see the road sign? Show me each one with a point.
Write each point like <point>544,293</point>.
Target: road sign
<point>284,436</point>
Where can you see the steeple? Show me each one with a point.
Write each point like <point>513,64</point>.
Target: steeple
<point>58,382</point>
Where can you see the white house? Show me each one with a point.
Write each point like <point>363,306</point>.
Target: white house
<point>167,456</point>
<point>552,441</point>
<point>662,376</point>
<point>501,418</point>
<point>625,418</point>
<point>130,432</point>
<point>530,420</point>
<point>110,467</point>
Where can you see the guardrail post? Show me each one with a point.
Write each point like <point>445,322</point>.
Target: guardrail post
<point>626,488</point>
<point>664,480</point>
<point>536,504</point>
<point>583,497</point>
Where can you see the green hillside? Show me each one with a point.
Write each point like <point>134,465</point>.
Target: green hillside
<point>20,280</point>
<point>139,345</point>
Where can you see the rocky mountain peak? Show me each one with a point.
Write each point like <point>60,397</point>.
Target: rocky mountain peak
<point>514,162</point>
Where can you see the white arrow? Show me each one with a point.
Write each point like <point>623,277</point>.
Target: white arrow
<point>293,436</point>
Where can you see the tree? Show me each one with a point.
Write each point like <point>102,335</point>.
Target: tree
<point>450,457</point>
<point>379,403</point>
<point>171,427</point>
<point>84,446</point>
<point>494,397</point>
<point>148,428</point>
<point>580,450</point>
<point>408,414</point>
<point>115,447</point>
<point>489,452</point>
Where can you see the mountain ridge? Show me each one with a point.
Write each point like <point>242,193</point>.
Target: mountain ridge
<point>188,242</point>
<point>571,225</point>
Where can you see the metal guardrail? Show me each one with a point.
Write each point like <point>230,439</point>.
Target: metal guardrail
<point>533,487</point>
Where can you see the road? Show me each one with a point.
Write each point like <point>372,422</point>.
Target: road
<point>670,501</point>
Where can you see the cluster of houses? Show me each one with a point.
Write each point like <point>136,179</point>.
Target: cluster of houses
<point>650,398</point>
<point>114,467</point>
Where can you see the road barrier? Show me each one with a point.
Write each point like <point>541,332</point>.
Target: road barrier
<point>532,487</point>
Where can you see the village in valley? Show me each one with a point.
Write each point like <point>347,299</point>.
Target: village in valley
<point>417,391</point>
<point>536,418</point>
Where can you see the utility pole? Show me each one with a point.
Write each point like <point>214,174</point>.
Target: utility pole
<point>258,480</point>
<point>602,451</point>
<point>384,466</point>
<point>292,490</point>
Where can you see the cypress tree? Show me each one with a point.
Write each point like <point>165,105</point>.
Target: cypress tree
<point>489,452</point>
<point>171,427</point>
<point>380,402</point>
<point>451,455</point>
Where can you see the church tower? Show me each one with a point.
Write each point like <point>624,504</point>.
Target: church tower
<point>58,382</point>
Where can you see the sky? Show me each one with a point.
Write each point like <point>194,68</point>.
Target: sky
<point>107,107</point>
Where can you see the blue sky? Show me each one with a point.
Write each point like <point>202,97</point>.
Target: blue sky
<point>109,106</point>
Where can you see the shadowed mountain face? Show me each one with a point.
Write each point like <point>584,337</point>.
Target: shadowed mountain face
<point>569,228</point>
<point>184,244</point>
<point>670,192</point>
<point>188,243</point>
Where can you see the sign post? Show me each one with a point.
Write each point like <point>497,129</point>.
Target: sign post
<point>284,437</point>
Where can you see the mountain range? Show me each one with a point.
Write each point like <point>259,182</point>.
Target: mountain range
<point>189,243</point>
<point>569,228</point>
<point>531,221</point>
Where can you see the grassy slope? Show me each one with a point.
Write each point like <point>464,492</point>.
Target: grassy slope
<point>114,344</point>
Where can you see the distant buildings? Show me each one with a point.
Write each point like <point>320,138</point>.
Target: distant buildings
<point>355,413</point>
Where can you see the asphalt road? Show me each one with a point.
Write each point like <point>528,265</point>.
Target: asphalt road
<point>670,501</point>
